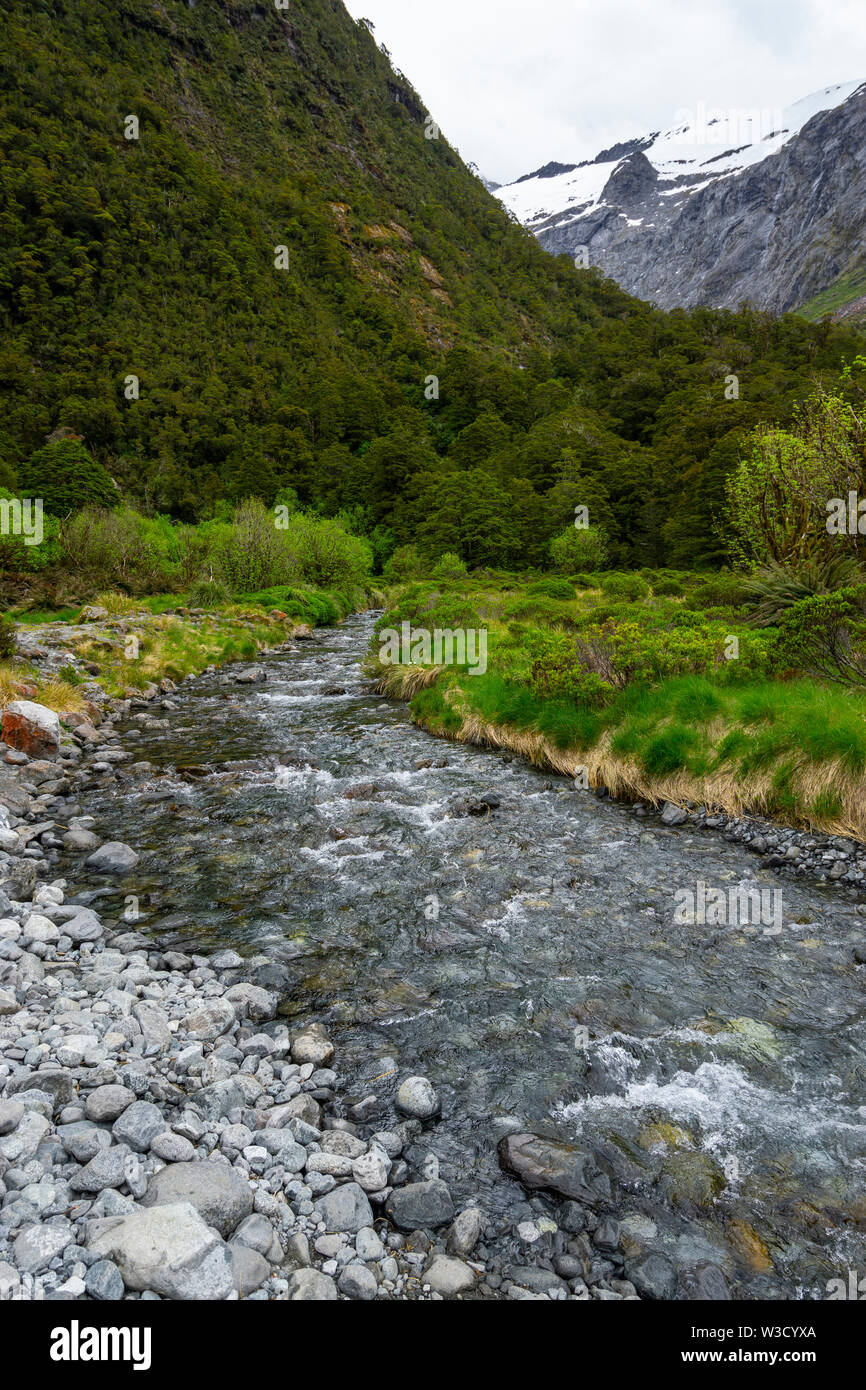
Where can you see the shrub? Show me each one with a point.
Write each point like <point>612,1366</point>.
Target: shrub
<point>579,549</point>
<point>449,568</point>
<point>552,588</point>
<point>7,638</point>
<point>825,636</point>
<point>327,556</point>
<point>112,548</point>
<point>721,591</point>
<point>208,593</point>
<point>405,563</point>
<point>663,586</point>
<point>565,678</point>
<point>627,586</point>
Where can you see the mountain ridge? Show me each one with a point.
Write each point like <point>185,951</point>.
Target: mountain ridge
<point>696,216</point>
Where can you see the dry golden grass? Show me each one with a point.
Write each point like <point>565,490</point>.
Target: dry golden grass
<point>723,790</point>
<point>54,694</point>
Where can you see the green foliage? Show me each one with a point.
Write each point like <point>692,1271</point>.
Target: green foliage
<point>774,588</point>
<point>780,498</point>
<point>552,588</point>
<point>720,591</point>
<point>825,636</point>
<point>68,479</point>
<point>405,563</point>
<point>449,568</point>
<point>577,548</point>
<point>627,586</point>
<point>7,638</point>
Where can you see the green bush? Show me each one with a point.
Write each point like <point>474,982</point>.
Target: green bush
<point>627,586</point>
<point>721,591</point>
<point>449,567</point>
<point>7,638</point>
<point>405,563</point>
<point>579,549</point>
<point>552,588</point>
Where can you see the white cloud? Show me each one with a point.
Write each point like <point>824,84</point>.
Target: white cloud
<point>515,83</point>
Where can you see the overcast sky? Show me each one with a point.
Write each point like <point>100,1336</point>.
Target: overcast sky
<point>515,83</point>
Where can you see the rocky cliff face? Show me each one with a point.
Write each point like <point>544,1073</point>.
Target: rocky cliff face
<point>681,223</point>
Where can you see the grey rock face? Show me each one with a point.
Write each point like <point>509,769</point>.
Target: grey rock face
<point>776,233</point>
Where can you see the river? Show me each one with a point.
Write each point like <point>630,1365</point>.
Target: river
<point>529,961</point>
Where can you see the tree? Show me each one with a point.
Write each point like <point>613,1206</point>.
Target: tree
<point>68,479</point>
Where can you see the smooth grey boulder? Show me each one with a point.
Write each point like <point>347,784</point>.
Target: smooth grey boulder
<point>249,1269</point>
<point>417,1097</point>
<point>449,1277</point>
<point>113,857</point>
<point>168,1249</point>
<point>138,1125</point>
<point>420,1206</point>
<point>310,1286</point>
<point>106,1104</point>
<point>346,1208</point>
<point>219,1193</point>
<point>358,1282</point>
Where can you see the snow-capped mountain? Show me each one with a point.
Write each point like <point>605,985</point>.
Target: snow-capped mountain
<point>725,206</point>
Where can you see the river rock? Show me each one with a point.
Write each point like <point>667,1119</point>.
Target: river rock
<point>11,1115</point>
<point>169,1249</point>
<point>654,1277</point>
<point>558,1167</point>
<point>673,814</point>
<point>138,1125</point>
<point>107,1103</point>
<point>449,1277</point>
<point>345,1209</point>
<point>210,1020</point>
<point>31,728</point>
<point>417,1097</point>
<point>310,1286</point>
<point>153,1022</point>
<point>38,1245</point>
<point>220,1193</point>
<point>313,1045</point>
<point>113,857</point>
<point>465,1232</point>
<point>420,1206</point>
<point>358,1282</point>
<point>249,1269</point>
<point>107,1169</point>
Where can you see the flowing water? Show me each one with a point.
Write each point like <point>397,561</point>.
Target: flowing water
<point>528,961</point>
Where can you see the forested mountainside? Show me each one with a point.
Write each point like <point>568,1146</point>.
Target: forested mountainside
<point>237,257</point>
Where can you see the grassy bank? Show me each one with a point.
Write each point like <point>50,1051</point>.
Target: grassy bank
<point>693,703</point>
<point>131,645</point>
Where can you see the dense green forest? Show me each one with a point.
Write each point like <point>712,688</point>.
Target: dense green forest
<point>238,260</point>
